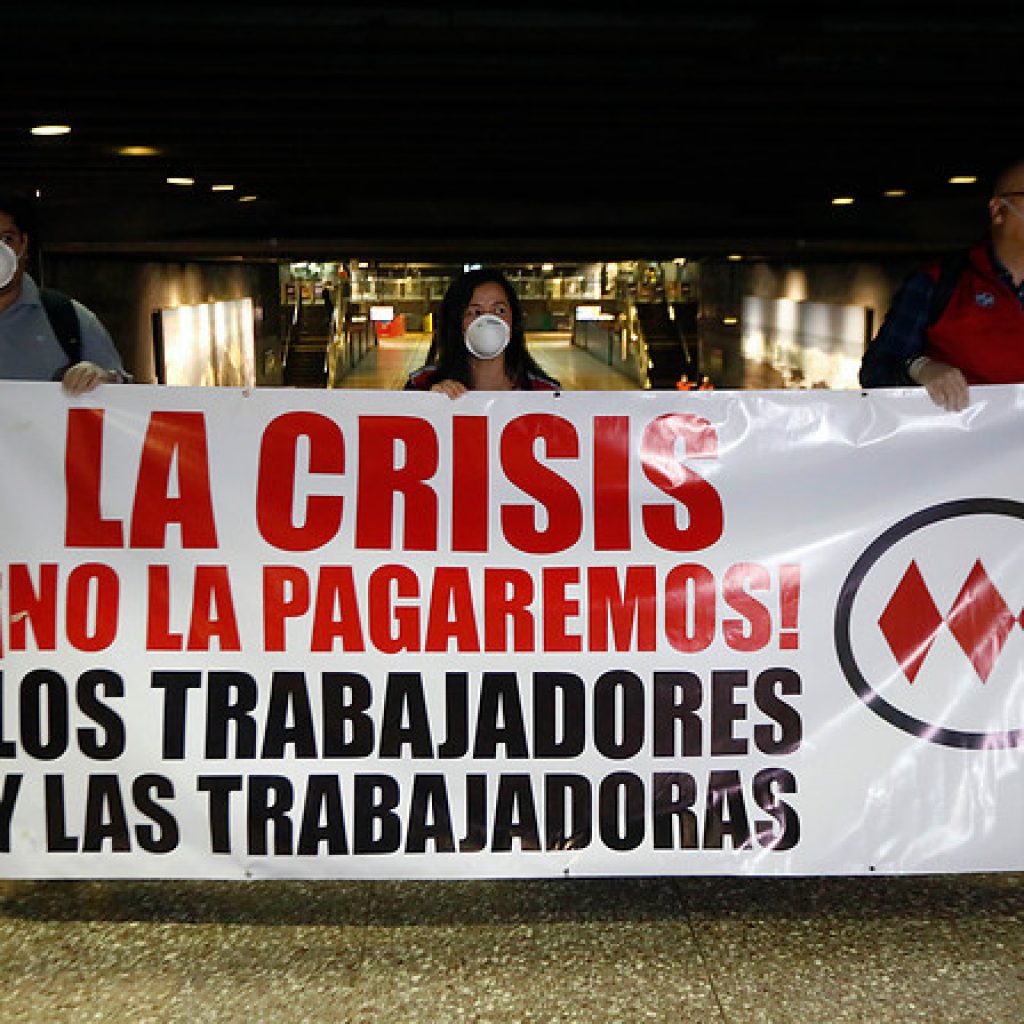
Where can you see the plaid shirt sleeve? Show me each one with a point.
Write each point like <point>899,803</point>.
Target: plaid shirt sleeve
<point>901,338</point>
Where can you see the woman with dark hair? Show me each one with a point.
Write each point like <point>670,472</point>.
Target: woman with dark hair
<point>479,343</point>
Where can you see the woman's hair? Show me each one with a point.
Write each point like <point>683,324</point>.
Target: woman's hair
<point>448,348</point>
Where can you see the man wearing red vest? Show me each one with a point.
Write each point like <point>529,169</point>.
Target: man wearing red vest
<point>976,336</point>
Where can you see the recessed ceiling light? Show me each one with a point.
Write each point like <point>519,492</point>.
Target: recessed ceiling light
<point>181,181</point>
<point>843,201</point>
<point>247,199</point>
<point>51,129</point>
<point>734,256</point>
<point>895,193</point>
<point>138,151</point>
<point>730,320</point>
<point>222,188</point>
<point>963,179</point>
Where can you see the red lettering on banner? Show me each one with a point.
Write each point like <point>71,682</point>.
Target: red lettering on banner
<point>611,483</point>
<point>451,615</point>
<point>275,489</point>
<point>337,611</point>
<point>630,611</point>
<point>84,525</point>
<point>470,483</point>
<point>91,607</point>
<point>700,499</point>
<point>382,478</point>
<point>508,594</point>
<point>387,584</point>
<point>690,608</point>
<point>558,608</point>
<point>556,495</point>
<point>753,632</point>
<point>285,596</point>
<point>174,440</point>
<point>211,615</point>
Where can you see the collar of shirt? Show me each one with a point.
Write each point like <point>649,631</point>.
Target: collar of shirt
<point>1005,276</point>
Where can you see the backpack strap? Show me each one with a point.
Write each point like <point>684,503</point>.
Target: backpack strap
<point>63,317</point>
<point>950,269</point>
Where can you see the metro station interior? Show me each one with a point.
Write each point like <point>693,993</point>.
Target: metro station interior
<point>723,194</point>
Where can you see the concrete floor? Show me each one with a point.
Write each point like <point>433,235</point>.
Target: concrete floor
<point>728,951</point>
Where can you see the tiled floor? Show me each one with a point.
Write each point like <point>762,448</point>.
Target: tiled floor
<point>726,951</point>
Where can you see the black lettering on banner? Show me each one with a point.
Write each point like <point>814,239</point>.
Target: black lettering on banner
<point>112,743</point>
<point>621,811</point>
<point>175,686</point>
<point>475,838</point>
<point>220,788</point>
<point>784,832</point>
<point>230,698</point>
<point>500,719</point>
<point>270,799</point>
<point>289,718</point>
<point>675,823</point>
<point>456,705</point>
<point>677,726</point>
<point>404,720</point>
<point>44,737</point>
<point>377,829</point>
<point>726,711</point>
<point>8,798</point>
<point>568,817</point>
<point>57,838</point>
<point>323,818</point>
<point>162,835</point>
<point>430,817</point>
<point>619,735</point>
<point>559,715</point>
<point>787,739</point>
<point>346,700</point>
<point>515,815</point>
<point>725,813</point>
<point>105,816</point>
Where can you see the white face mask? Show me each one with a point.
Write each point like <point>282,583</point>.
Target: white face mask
<point>487,336</point>
<point>8,264</point>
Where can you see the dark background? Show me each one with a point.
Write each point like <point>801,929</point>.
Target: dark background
<point>564,130</point>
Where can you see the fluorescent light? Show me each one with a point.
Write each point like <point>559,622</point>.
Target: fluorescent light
<point>895,193</point>
<point>51,129</point>
<point>730,320</point>
<point>734,256</point>
<point>247,199</point>
<point>181,181</point>
<point>963,179</point>
<point>222,188</point>
<point>138,151</point>
<point>843,201</point>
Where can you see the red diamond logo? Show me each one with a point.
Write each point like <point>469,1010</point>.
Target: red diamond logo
<point>981,621</point>
<point>910,622</point>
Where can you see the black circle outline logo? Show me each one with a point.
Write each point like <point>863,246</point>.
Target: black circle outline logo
<point>844,608</point>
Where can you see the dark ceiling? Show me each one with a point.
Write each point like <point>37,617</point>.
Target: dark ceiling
<point>466,131</point>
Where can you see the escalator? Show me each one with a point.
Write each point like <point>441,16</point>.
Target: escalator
<point>309,337</point>
<point>669,334</point>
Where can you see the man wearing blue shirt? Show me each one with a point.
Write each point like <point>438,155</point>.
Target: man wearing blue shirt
<point>29,346</point>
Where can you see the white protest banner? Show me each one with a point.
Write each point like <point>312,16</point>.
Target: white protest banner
<point>369,634</point>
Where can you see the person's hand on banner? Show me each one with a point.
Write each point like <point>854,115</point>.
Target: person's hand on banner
<point>85,376</point>
<point>946,385</point>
